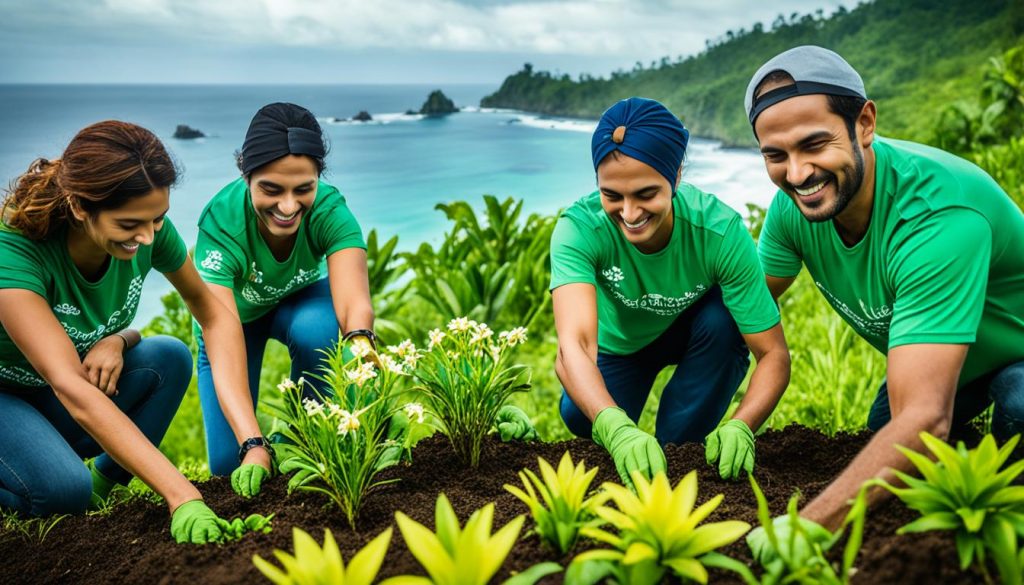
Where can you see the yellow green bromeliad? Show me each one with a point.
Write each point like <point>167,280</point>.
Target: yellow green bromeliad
<point>468,555</point>
<point>558,503</point>
<point>657,531</point>
<point>313,565</point>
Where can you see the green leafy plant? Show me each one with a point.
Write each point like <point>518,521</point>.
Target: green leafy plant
<point>558,502</point>
<point>493,268</point>
<point>799,558</point>
<point>237,528</point>
<point>468,555</point>
<point>382,265</point>
<point>657,531</point>
<point>339,438</point>
<point>313,565</point>
<point>176,320</point>
<point>966,492</point>
<point>465,377</point>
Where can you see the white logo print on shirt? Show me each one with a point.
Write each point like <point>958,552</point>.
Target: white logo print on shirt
<point>872,321</point>
<point>652,302</point>
<point>213,260</point>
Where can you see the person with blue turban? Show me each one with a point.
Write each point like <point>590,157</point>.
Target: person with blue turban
<point>649,272</point>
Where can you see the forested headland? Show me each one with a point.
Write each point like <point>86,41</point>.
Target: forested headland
<point>917,57</point>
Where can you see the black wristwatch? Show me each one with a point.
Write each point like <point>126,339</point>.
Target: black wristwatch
<point>364,333</point>
<point>253,442</point>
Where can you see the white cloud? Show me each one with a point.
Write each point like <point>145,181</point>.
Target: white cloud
<point>569,27</point>
<point>251,40</point>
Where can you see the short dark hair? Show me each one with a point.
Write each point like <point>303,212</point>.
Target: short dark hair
<point>846,107</point>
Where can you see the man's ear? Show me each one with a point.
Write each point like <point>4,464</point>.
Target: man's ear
<point>866,124</point>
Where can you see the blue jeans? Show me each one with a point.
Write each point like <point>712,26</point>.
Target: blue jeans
<point>305,322</point>
<point>711,358</point>
<point>42,447</point>
<point>1004,387</point>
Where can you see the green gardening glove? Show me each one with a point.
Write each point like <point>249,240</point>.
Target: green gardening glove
<point>808,534</point>
<point>247,479</point>
<point>732,446</point>
<point>101,486</point>
<point>630,448</point>
<point>515,425</point>
<point>193,522</point>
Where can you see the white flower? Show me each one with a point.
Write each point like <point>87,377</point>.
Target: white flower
<point>495,352</point>
<point>349,421</point>
<point>436,335</point>
<point>513,337</point>
<point>362,374</point>
<point>414,410</point>
<point>453,355</point>
<point>390,364</point>
<point>335,409</point>
<point>313,408</point>
<point>360,347</point>
<point>287,384</point>
<point>460,324</point>
<point>411,359</point>
<point>403,349</point>
<point>481,333</point>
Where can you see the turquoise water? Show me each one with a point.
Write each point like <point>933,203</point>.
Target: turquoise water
<point>392,171</point>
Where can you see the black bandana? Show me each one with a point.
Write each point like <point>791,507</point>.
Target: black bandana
<point>278,130</point>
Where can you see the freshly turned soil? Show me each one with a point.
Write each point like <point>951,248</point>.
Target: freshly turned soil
<point>133,543</point>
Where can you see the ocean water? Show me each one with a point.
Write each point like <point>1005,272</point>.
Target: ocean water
<point>393,171</point>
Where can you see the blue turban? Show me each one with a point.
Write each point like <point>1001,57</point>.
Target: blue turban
<point>643,129</point>
<point>278,130</point>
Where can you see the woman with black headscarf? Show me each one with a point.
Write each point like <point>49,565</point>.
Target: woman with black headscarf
<point>281,249</point>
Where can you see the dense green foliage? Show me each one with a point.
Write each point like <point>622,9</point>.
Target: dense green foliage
<point>915,56</point>
<point>986,128</point>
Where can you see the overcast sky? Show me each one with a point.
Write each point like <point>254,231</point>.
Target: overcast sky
<point>356,41</point>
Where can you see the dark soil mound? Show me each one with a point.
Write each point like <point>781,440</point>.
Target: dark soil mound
<point>133,544</point>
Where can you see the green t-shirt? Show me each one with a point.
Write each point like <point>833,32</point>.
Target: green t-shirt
<point>88,311</point>
<point>639,295</point>
<point>231,252</point>
<point>942,260</point>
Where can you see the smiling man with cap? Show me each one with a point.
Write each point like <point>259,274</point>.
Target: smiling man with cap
<point>918,250</point>
<point>649,272</point>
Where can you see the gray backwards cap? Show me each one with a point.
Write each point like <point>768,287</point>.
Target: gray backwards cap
<point>816,71</point>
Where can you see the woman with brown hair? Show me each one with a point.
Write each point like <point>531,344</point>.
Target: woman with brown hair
<point>78,236</point>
